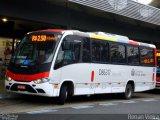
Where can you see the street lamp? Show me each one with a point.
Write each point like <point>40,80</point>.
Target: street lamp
<point>4,20</point>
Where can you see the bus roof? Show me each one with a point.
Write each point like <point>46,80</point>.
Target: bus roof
<point>47,30</point>
<point>113,38</point>
<point>100,36</point>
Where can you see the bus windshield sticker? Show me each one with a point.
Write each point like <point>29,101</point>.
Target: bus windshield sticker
<point>26,62</point>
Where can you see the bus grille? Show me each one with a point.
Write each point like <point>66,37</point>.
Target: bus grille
<point>28,88</point>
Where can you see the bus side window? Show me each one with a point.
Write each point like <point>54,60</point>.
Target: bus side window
<point>100,51</point>
<point>86,57</point>
<point>133,55</point>
<point>118,53</point>
<point>146,56</point>
<point>104,52</point>
<point>69,51</point>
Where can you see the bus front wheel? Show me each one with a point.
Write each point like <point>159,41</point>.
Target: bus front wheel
<point>128,91</point>
<point>63,95</point>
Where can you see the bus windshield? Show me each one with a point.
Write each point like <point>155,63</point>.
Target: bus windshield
<point>35,49</point>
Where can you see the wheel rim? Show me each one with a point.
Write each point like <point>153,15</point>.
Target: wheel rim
<point>66,94</point>
<point>129,92</point>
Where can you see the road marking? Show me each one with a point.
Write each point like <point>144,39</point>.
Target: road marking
<point>107,104</point>
<point>42,111</point>
<point>82,107</point>
<point>130,102</point>
<point>149,100</point>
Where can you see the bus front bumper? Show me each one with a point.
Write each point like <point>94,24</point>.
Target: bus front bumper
<point>30,88</point>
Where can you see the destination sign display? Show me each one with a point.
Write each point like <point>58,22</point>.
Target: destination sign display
<point>148,61</point>
<point>42,38</point>
<point>158,54</point>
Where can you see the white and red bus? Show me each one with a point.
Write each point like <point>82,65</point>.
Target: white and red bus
<point>62,63</point>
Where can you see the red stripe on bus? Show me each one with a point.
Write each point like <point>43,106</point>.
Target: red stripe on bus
<point>92,76</point>
<point>158,79</point>
<point>134,42</point>
<point>27,78</point>
<point>50,30</point>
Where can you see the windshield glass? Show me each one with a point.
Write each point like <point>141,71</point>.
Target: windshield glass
<point>35,49</point>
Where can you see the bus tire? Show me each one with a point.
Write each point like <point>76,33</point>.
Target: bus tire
<point>63,95</point>
<point>128,91</point>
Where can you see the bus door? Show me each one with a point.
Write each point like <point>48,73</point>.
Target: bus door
<point>68,56</point>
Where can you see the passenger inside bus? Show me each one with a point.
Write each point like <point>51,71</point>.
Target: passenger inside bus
<point>41,57</point>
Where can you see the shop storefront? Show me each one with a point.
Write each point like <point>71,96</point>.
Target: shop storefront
<point>6,49</point>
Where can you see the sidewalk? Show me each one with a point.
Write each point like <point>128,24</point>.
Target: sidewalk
<point>3,93</point>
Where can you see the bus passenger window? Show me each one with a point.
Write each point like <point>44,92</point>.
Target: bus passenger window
<point>86,57</point>
<point>133,55</point>
<point>104,50</point>
<point>100,50</point>
<point>118,53</point>
<point>96,51</point>
<point>147,56</point>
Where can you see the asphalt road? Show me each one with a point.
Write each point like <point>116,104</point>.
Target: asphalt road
<point>13,103</point>
<point>109,106</point>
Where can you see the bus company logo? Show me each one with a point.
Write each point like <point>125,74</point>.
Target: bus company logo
<point>137,73</point>
<point>118,4</point>
<point>132,72</point>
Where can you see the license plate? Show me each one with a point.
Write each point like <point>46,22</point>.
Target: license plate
<point>22,87</point>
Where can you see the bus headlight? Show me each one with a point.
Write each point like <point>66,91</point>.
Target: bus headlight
<point>8,78</point>
<point>39,81</point>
